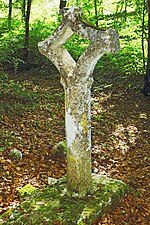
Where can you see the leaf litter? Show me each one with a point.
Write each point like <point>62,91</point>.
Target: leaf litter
<point>32,122</point>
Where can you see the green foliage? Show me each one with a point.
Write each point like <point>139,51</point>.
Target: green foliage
<point>10,45</point>
<point>76,45</point>
<point>125,16</point>
<point>20,96</point>
<point>52,205</point>
<point>28,189</point>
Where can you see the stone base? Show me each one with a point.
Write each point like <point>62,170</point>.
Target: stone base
<point>53,206</point>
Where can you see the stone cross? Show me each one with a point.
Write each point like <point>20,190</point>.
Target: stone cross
<point>76,78</point>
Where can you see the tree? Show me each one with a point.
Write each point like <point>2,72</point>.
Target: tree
<point>62,4</point>
<point>10,14</point>
<point>27,17</point>
<point>143,31</point>
<point>146,88</point>
<point>148,56</point>
<point>96,13</point>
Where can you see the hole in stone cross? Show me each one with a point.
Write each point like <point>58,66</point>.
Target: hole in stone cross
<point>76,45</point>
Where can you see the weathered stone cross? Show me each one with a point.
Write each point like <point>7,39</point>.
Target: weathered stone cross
<point>76,78</point>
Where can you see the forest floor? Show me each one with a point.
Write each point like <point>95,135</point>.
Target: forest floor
<point>32,121</point>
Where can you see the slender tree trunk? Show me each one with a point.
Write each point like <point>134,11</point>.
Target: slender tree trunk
<point>27,17</point>
<point>10,14</point>
<point>148,56</point>
<point>146,88</point>
<point>62,4</point>
<point>143,33</point>
<point>96,14</point>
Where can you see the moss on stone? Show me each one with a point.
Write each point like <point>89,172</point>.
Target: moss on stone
<point>53,204</point>
<point>28,189</point>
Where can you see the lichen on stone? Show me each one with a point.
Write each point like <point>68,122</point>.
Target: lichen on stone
<point>28,189</point>
<point>76,78</point>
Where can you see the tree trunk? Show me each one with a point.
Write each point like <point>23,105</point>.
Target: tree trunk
<point>27,17</point>
<point>10,14</point>
<point>96,14</point>
<point>62,4</point>
<point>148,56</point>
<point>146,88</point>
<point>143,33</point>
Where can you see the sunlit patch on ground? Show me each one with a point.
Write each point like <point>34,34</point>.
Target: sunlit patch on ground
<point>33,122</point>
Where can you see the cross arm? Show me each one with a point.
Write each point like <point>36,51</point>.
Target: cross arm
<point>101,42</point>
<point>52,48</point>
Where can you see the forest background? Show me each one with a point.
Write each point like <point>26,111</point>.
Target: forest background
<point>25,23</point>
